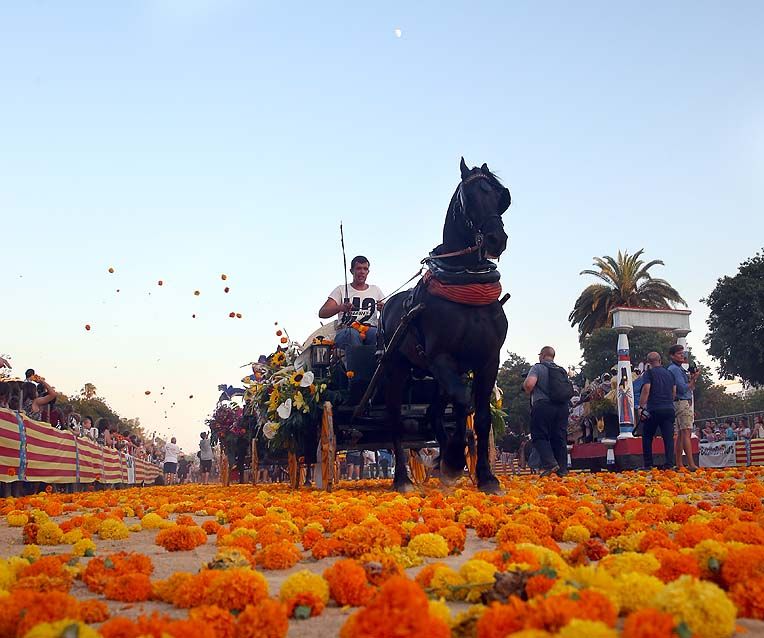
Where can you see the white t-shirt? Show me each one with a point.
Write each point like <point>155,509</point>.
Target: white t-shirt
<point>171,452</point>
<point>364,302</point>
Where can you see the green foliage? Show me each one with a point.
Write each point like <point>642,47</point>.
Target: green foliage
<point>600,348</point>
<point>89,404</point>
<point>627,282</point>
<point>736,324</point>
<point>516,403</point>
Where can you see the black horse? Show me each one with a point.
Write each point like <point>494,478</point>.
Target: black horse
<point>450,339</point>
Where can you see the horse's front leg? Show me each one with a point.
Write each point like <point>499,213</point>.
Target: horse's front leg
<point>452,459</point>
<point>395,383</point>
<point>483,387</point>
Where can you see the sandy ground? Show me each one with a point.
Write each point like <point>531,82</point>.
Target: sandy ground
<point>165,563</point>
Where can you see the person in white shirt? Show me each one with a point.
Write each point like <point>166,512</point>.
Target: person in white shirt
<point>171,452</point>
<point>358,303</point>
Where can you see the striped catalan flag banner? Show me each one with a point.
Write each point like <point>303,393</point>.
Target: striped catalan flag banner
<point>112,469</point>
<point>90,461</point>
<point>756,452</point>
<point>51,455</point>
<point>10,445</point>
<point>146,472</point>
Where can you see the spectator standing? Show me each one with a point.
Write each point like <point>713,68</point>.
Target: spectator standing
<point>683,405</point>
<point>656,406</point>
<point>758,428</point>
<point>31,402</point>
<point>729,432</point>
<point>183,467</point>
<point>171,453</point>
<point>549,418</point>
<point>354,460</point>
<point>385,461</point>
<point>5,393</point>
<point>205,457</point>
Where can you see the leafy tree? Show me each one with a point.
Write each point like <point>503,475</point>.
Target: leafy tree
<point>627,282</point>
<point>600,348</point>
<point>96,408</point>
<point>88,391</point>
<point>516,404</point>
<point>736,324</point>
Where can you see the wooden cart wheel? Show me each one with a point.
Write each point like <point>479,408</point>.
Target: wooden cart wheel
<point>294,472</point>
<point>255,461</point>
<point>225,475</point>
<point>471,449</point>
<point>328,449</point>
<point>418,470</point>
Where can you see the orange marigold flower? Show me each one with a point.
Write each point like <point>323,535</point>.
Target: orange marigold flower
<point>236,588</point>
<point>310,537</point>
<point>649,623</point>
<point>554,612</point>
<point>680,512</point>
<point>119,627</point>
<point>748,597</point>
<point>181,538</point>
<point>47,565</point>
<point>167,590</point>
<point>43,582</point>
<point>266,619</point>
<point>185,519</point>
<point>674,565</point>
<point>347,583</point>
<point>24,609</point>
<point>455,536</point>
<point>93,610</point>
<point>538,585</point>
<point>424,577</point>
<point>326,547</point>
<point>304,605</point>
<point>129,588</point>
<point>221,621</point>
<point>654,539</point>
<point>279,555</point>
<point>100,570</point>
<point>747,502</point>
<point>486,526</point>
<point>742,565</point>
<point>210,527</point>
<point>399,609</point>
<point>690,534</point>
<point>749,533</point>
<point>499,620</point>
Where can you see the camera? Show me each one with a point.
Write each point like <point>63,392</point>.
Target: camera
<point>644,415</point>
<point>693,367</point>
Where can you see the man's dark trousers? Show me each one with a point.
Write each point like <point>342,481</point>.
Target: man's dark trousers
<point>663,420</point>
<point>549,433</point>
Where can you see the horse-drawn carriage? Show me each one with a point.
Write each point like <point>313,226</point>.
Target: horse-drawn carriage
<point>432,380</point>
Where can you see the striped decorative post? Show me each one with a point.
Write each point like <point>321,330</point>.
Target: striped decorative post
<point>624,389</point>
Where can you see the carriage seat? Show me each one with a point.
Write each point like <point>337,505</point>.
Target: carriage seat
<point>450,274</point>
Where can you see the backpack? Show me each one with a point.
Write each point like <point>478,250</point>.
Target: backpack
<point>559,388</point>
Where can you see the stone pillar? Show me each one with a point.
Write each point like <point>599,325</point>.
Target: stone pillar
<point>624,388</point>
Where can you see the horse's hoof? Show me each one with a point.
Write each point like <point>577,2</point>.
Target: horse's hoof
<point>491,486</point>
<point>404,487</point>
<point>448,475</point>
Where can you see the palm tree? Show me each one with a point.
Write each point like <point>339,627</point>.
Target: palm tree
<point>627,283</point>
<point>89,391</point>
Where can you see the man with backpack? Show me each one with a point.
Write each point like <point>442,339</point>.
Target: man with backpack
<point>550,390</point>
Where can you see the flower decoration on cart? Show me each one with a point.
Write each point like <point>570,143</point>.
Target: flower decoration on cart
<point>285,397</point>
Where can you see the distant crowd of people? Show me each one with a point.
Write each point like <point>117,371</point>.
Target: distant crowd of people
<point>731,429</point>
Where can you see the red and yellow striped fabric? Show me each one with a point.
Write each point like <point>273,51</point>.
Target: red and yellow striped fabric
<point>91,461</point>
<point>10,443</point>
<point>112,469</point>
<point>757,452</point>
<point>146,472</point>
<point>51,453</point>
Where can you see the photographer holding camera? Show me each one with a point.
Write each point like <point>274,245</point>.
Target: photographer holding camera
<point>685,385</point>
<point>656,411</point>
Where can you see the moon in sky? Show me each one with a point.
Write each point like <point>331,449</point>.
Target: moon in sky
<point>398,33</point>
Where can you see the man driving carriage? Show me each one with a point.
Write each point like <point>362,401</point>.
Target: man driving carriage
<point>357,305</point>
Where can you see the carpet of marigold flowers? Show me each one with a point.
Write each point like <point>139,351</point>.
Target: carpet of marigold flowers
<point>638,555</point>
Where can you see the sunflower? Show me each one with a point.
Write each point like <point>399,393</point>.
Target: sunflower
<point>297,377</point>
<point>278,358</point>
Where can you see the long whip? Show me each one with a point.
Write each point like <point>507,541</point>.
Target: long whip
<point>346,316</point>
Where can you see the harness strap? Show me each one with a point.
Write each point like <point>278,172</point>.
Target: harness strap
<point>464,251</point>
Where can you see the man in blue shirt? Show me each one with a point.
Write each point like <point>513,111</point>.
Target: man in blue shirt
<point>656,407</point>
<point>685,385</point>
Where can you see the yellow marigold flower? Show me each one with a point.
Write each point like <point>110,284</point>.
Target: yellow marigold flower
<point>49,534</point>
<point>113,529</point>
<point>630,562</point>
<point>702,605</point>
<point>666,500</point>
<point>16,518</point>
<point>547,558</point>
<point>152,520</point>
<point>404,556</point>
<point>39,517</point>
<point>62,629</point>
<point>710,554</point>
<point>479,574</point>
<point>31,553</point>
<point>432,545</point>
<point>469,516</point>
<point>575,534</point>
<point>578,628</point>
<point>304,582</point>
<point>84,547</point>
<point>448,583</point>
<point>135,527</point>
<point>467,617</point>
<point>625,542</point>
<point>439,609</point>
<point>7,575</point>
<point>636,591</point>
<point>72,536</point>
<point>532,633</point>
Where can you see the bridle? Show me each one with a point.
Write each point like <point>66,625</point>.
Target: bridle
<point>460,207</point>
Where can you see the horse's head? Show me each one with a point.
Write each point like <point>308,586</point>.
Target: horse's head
<point>478,204</point>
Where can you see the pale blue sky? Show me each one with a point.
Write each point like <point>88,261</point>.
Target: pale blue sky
<point>182,139</point>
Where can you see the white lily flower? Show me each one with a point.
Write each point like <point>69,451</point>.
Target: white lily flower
<point>307,379</point>
<point>270,429</point>
<point>285,409</point>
